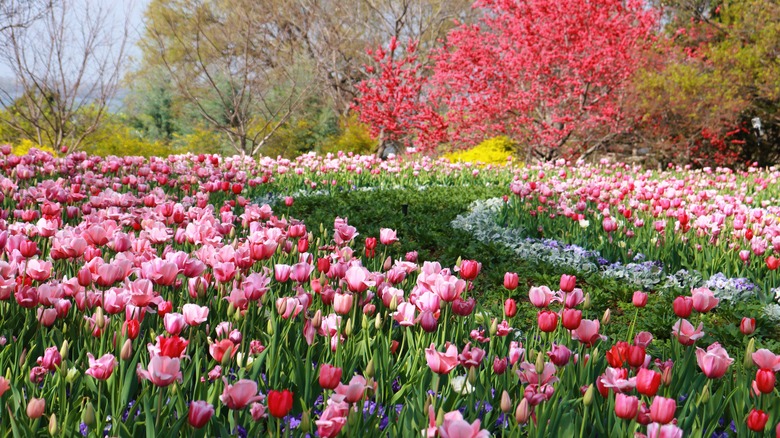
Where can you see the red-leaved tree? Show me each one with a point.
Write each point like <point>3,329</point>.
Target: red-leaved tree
<point>548,74</point>
<point>545,73</point>
<point>392,100</point>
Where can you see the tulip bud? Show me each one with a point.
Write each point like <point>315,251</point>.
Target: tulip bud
<point>53,425</point>
<point>751,348</point>
<point>364,322</point>
<point>440,417</point>
<point>127,350</point>
<point>64,350</point>
<point>316,321</point>
<point>369,371</point>
<point>587,399</point>
<point>269,328</point>
<point>394,303</point>
<point>99,320</point>
<point>348,327</point>
<point>506,402</point>
<point>605,318</point>
<point>493,327</point>
<point>305,425</point>
<point>523,411</point>
<point>539,363</point>
<point>473,375</point>
<point>231,310</point>
<point>704,396</point>
<point>227,356</point>
<point>378,321</point>
<point>457,262</point>
<point>23,357</point>
<point>586,303</point>
<point>88,415</point>
<point>73,373</point>
<point>388,264</point>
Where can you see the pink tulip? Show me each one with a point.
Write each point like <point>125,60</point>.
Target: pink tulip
<point>102,368</point>
<point>655,430</point>
<point>587,332</point>
<point>354,391</point>
<point>471,357</point>
<point>357,279</point>
<point>282,273</point>
<point>540,296</point>
<point>5,385</point>
<point>194,314</point>
<point>239,395</point>
<point>174,323</point>
<point>387,236</point>
<point>626,406</point>
<point>442,363</point>
<point>714,362</point>
<point>662,410</point>
<point>703,299</point>
<point>454,426</point>
<point>685,333</point>
<point>342,303</point>
<point>683,306</point>
<point>51,359</point>
<point>301,272</point>
<point>200,412</point>
<point>405,315</point>
<point>38,270</point>
<point>559,355</point>
<point>161,371</point>
<point>36,407</point>
<point>765,359</point>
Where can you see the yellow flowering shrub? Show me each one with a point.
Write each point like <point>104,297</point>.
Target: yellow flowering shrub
<point>24,146</point>
<point>494,151</point>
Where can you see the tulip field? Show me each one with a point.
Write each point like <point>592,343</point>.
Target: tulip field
<point>341,295</point>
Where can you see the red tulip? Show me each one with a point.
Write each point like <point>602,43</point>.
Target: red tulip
<point>765,381</point>
<point>626,406</point>
<point>747,326</point>
<point>499,365</point>
<point>200,413</point>
<point>511,280</point>
<point>547,320</point>
<point>772,263</point>
<point>639,299</point>
<point>647,382</point>
<point>571,318</point>
<point>280,402</point>
<point>636,356</point>
<point>756,420</point>
<point>568,282</point>
<point>683,306</point>
<point>330,376</point>
<point>323,265</point>
<point>469,269</point>
<point>617,354</point>
<point>510,308</point>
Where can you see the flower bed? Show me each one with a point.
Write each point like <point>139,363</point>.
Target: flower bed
<point>151,297</point>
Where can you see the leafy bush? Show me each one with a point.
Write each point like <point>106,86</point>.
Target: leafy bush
<point>353,137</point>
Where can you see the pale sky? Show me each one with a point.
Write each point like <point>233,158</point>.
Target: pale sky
<point>120,9</point>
